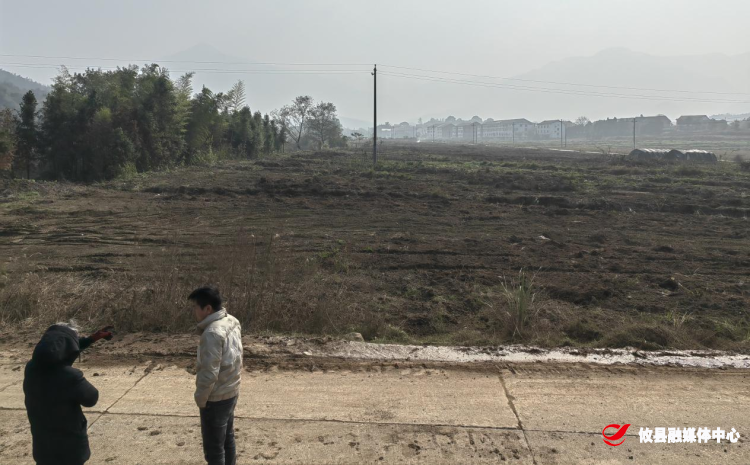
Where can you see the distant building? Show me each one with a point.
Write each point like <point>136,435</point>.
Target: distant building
<point>551,129</point>
<point>491,129</point>
<point>692,123</point>
<point>507,129</point>
<point>623,127</point>
<point>448,131</point>
<point>469,131</point>
<point>517,128</point>
<point>652,125</point>
<point>403,131</point>
<point>522,129</point>
<point>433,131</point>
<point>692,120</point>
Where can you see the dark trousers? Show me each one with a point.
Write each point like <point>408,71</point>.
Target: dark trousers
<point>217,428</point>
<point>60,463</point>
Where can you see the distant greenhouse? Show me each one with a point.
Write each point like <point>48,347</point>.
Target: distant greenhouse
<point>702,156</point>
<point>675,154</point>
<point>650,154</point>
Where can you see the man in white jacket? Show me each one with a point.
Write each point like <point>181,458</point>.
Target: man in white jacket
<point>217,381</point>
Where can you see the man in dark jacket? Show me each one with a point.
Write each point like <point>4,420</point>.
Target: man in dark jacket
<point>55,392</point>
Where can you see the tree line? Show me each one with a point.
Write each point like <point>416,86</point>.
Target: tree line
<point>98,125</point>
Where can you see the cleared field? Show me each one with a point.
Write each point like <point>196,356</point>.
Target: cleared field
<point>428,247</point>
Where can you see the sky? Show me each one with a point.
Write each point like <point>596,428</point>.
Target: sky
<point>490,38</point>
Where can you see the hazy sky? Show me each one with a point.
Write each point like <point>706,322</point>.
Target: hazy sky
<point>502,38</point>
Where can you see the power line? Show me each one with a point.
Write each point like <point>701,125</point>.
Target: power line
<point>207,70</point>
<point>449,80</point>
<point>366,64</point>
<point>183,61</point>
<point>565,83</point>
<point>560,91</point>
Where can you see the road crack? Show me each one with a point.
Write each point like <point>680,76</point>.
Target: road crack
<point>146,372</point>
<point>515,412</point>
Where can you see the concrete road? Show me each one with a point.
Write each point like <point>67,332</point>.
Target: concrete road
<point>403,412</point>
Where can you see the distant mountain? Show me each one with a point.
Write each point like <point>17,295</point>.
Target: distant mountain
<point>618,68</point>
<point>13,86</point>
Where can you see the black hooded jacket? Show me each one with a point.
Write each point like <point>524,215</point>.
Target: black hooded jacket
<point>55,392</point>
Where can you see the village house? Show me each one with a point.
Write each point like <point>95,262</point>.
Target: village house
<point>403,131</point>
<point>385,131</point>
<point>447,131</point>
<point>549,129</point>
<point>490,129</point>
<point>519,128</point>
<point>469,131</point>
<point>692,123</point>
<point>652,125</point>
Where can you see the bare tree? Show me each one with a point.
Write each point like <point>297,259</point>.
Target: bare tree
<point>294,117</point>
<point>324,124</point>
<point>582,121</point>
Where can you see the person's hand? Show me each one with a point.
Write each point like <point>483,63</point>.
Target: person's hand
<point>105,333</point>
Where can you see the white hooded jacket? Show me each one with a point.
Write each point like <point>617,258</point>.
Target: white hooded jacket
<point>219,358</point>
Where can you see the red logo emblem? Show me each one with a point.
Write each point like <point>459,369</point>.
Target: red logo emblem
<point>612,440</point>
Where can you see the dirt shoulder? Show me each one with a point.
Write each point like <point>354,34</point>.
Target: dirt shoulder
<point>298,353</point>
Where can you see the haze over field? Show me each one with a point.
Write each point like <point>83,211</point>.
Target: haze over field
<point>693,54</point>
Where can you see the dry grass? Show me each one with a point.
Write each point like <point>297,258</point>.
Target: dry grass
<point>520,295</point>
<point>262,285</point>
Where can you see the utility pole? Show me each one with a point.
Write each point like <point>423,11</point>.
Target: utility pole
<point>634,133</point>
<point>561,134</point>
<point>513,132</point>
<point>375,115</point>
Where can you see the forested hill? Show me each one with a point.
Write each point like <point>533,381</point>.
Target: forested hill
<point>13,86</point>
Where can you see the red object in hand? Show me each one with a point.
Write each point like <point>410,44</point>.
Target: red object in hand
<point>104,333</point>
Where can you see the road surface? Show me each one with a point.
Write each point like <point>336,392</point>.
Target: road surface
<point>309,409</point>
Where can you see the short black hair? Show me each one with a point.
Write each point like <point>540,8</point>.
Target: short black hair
<point>207,295</point>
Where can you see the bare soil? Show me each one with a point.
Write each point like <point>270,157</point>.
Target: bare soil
<point>645,255</point>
